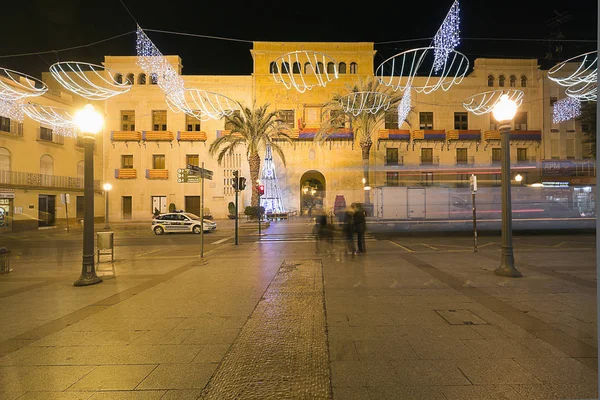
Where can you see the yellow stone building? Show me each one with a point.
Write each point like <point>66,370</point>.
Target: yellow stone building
<point>145,142</point>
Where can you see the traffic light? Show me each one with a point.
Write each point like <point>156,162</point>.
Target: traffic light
<point>242,183</point>
<point>261,189</point>
<point>235,180</point>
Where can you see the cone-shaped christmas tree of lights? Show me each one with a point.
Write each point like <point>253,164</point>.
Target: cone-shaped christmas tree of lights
<point>271,200</point>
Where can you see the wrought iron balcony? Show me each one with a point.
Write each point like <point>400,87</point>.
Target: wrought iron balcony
<point>27,180</point>
<point>15,129</point>
<point>470,160</point>
<point>430,160</point>
<point>394,161</point>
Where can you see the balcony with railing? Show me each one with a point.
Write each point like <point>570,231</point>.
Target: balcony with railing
<point>528,160</point>
<point>430,160</point>
<point>470,160</point>
<point>29,180</point>
<point>191,136</point>
<point>15,129</point>
<point>157,136</point>
<point>125,173</point>
<point>125,136</point>
<point>47,136</point>
<point>157,174</point>
<point>394,161</point>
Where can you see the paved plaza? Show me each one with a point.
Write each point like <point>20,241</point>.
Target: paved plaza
<point>413,318</point>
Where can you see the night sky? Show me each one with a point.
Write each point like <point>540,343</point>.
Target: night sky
<point>488,29</point>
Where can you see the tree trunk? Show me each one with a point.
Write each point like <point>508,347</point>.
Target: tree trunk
<point>366,151</point>
<point>254,162</point>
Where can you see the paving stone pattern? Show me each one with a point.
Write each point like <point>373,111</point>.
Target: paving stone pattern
<point>281,352</point>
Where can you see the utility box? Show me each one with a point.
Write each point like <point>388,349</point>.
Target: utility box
<point>105,244</point>
<point>4,261</point>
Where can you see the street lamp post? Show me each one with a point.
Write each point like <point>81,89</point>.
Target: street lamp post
<point>504,111</point>
<point>107,187</point>
<point>89,122</point>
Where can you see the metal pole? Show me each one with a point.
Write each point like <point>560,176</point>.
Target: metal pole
<point>202,212</point>
<point>106,225</point>
<point>259,216</point>
<point>236,215</point>
<point>474,223</point>
<point>88,272</point>
<point>507,261</point>
<point>67,212</point>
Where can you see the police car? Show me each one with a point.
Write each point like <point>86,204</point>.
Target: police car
<point>181,222</point>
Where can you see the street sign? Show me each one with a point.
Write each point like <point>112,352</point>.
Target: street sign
<point>202,172</point>
<point>189,175</point>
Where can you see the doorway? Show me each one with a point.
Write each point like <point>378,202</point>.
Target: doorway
<point>160,203</point>
<point>5,216</point>
<point>127,206</point>
<point>192,205</point>
<point>46,210</point>
<point>312,192</point>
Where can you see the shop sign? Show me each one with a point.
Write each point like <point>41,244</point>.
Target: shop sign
<point>558,168</point>
<point>7,194</point>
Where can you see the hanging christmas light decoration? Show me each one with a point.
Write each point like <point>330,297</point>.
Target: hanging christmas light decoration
<point>483,103</point>
<point>11,109</point>
<point>201,104</point>
<point>587,91</point>
<point>156,66</point>
<point>369,102</point>
<point>581,69</point>
<point>447,37</point>
<point>16,85</point>
<point>414,68</point>
<point>93,82</point>
<point>404,107</point>
<point>304,69</point>
<point>566,109</point>
<point>197,103</point>
<point>52,116</point>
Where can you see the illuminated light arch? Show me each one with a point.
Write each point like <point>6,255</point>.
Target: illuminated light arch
<point>356,103</point>
<point>586,91</point>
<point>483,103</point>
<point>585,72</point>
<point>403,69</point>
<point>315,73</point>
<point>201,104</point>
<point>59,120</point>
<point>16,85</point>
<point>93,82</point>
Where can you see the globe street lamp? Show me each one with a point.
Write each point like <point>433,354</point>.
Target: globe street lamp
<point>89,122</point>
<point>504,111</point>
<point>107,187</point>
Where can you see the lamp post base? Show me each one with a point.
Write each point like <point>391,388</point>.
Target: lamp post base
<point>507,267</point>
<point>88,277</point>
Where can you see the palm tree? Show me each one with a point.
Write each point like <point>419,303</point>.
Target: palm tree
<point>254,128</point>
<point>365,125</point>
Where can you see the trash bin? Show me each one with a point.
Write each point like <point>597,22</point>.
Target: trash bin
<point>4,261</point>
<point>105,244</point>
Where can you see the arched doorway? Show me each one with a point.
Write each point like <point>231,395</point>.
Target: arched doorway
<point>312,192</point>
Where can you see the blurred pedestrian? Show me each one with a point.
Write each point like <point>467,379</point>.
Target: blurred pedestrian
<point>348,231</point>
<point>156,212</point>
<point>360,226</point>
<point>324,231</point>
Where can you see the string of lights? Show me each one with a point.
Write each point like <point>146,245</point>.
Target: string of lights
<point>90,81</point>
<point>11,109</point>
<point>483,103</point>
<point>16,85</point>
<point>565,110</point>
<point>447,37</point>
<point>356,103</point>
<point>404,107</point>
<point>304,69</point>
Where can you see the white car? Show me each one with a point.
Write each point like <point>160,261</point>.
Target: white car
<point>181,222</point>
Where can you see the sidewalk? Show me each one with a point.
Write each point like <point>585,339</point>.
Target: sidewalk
<point>272,320</point>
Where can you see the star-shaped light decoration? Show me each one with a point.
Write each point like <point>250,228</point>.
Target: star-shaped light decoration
<point>447,37</point>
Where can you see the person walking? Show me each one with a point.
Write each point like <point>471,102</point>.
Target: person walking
<point>360,226</point>
<point>348,231</point>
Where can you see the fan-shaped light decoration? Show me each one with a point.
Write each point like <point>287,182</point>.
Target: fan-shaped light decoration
<point>156,66</point>
<point>483,103</point>
<point>52,116</point>
<point>566,109</point>
<point>414,68</point>
<point>201,104</point>
<point>16,85</point>
<point>583,92</point>
<point>404,107</point>
<point>304,69</point>
<point>447,37</point>
<point>93,82</point>
<point>581,69</point>
<point>11,109</point>
<point>369,102</point>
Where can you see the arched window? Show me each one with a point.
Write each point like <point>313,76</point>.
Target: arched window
<point>501,80</point>
<point>296,68</point>
<point>513,81</point>
<point>523,81</point>
<point>4,159</point>
<point>353,68</point>
<point>80,169</point>
<point>153,79</point>
<point>273,67</point>
<point>130,78</point>
<point>118,78</point>
<point>285,67</point>
<point>47,165</point>
<point>331,68</point>
<point>308,69</point>
<point>141,79</point>
<point>320,68</point>
<point>342,68</point>
<point>490,81</point>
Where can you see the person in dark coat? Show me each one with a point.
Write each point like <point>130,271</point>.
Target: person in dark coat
<point>360,226</point>
<point>348,229</point>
